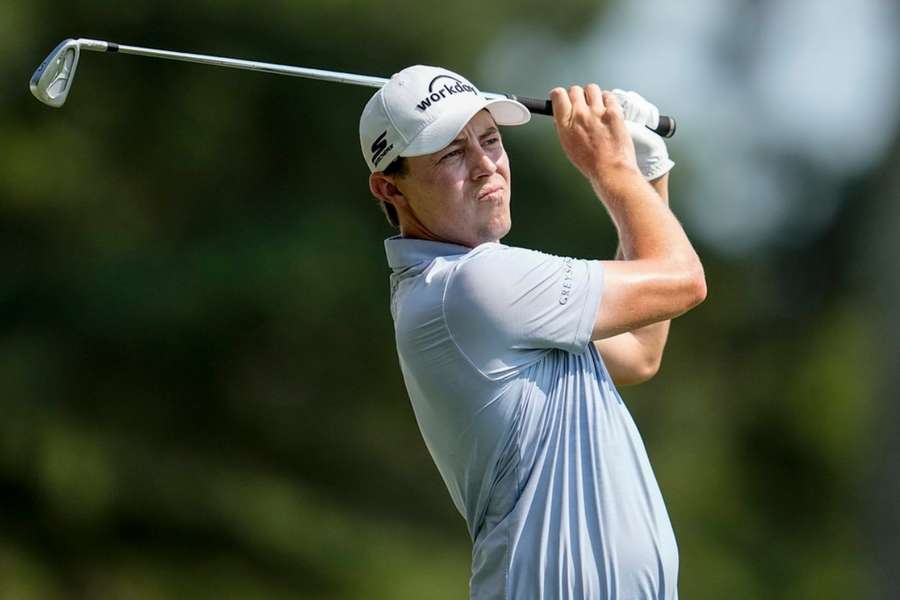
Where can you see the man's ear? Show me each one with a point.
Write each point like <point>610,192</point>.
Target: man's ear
<point>382,187</point>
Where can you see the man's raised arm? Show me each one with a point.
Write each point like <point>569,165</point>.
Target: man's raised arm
<point>662,276</point>
<point>636,356</point>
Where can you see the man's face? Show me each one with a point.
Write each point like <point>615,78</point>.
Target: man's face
<point>461,194</point>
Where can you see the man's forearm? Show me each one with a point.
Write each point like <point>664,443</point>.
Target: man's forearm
<point>647,230</point>
<point>652,338</point>
<point>661,186</point>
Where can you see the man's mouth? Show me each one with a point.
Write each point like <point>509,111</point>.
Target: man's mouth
<point>489,191</point>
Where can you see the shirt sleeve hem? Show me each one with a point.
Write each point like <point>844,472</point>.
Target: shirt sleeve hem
<point>591,305</point>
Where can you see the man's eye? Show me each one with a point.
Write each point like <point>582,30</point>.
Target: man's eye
<point>449,154</point>
<point>492,141</point>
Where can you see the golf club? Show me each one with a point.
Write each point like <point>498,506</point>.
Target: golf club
<point>52,80</point>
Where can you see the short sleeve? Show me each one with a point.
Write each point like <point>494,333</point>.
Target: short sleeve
<point>507,299</point>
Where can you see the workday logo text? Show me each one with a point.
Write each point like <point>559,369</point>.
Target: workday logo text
<point>441,87</point>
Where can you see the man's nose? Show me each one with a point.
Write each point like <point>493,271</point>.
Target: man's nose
<point>483,165</point>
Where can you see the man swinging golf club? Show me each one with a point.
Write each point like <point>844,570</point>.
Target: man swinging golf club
<point>511,357</point>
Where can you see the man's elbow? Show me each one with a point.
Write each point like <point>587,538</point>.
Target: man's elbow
<point>639,373</point>
<point>650,368</point>
<point>694,288</point>
<point>688,286</point>
<point>698,287</point>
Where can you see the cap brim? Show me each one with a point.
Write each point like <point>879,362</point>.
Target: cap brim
<point>438,135</point>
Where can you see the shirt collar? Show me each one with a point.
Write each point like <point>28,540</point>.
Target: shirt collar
<point>405,252</point>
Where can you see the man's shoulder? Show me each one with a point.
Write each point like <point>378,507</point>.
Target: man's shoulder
<point>494,277</point>
<point>479,275</point>
<point>500,249</point>
<point>494,263</point>
<point>493,254</point>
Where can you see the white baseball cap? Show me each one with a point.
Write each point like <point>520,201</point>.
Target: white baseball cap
<point>422,109</point>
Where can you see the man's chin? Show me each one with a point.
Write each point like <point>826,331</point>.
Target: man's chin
<point>500,229</point>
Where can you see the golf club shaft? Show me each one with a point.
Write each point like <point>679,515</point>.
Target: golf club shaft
<point>666,127</point>
<point>234,63</point>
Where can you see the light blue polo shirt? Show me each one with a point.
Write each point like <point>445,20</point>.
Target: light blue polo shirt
<point>536,447</point>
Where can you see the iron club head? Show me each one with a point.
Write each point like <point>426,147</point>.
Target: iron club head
<point>52,80</point>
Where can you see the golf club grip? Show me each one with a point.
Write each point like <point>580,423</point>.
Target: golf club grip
<point>666,127</point>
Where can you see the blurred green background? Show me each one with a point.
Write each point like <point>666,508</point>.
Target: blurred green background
<point>199,388</point>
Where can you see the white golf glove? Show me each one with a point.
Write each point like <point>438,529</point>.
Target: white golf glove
<point>651,151</point>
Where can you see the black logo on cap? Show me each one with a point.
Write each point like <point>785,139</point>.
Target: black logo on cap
<point>380,148</point>
<point>437,90</point>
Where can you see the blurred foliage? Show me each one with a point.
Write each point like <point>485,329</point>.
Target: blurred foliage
<point>198,380</point>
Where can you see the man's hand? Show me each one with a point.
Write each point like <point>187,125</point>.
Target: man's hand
<point>593,133</point>
<point>661,276</point>
<point>636,109</point>
<point>652,155</point>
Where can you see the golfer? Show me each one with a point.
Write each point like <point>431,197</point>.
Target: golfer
<point>511,356</point>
